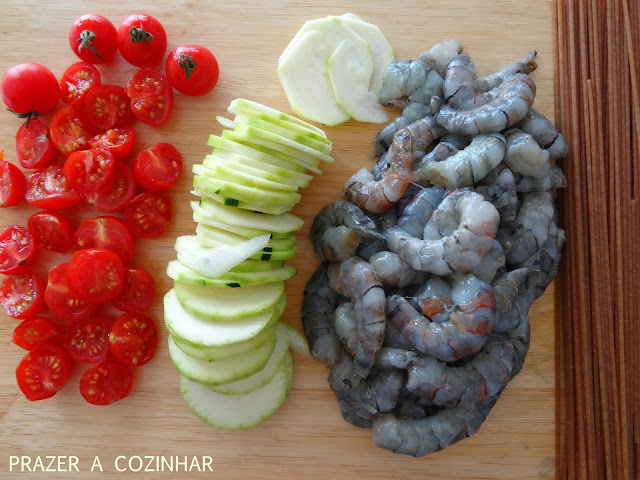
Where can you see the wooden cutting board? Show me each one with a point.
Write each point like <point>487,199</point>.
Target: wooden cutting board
<point>307,438</point>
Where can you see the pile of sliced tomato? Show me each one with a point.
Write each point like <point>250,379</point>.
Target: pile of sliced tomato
<point>88,153</point>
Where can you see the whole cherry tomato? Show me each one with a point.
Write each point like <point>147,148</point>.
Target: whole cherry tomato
<point>29,89</point>
<point>93,38</point>
<point>142,40</point>
<point>192,69</point>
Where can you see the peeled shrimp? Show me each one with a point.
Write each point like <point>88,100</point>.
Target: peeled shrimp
<point>466,331</point>
<point>525,156</point>
<point>507,289</point>
<point>356,279</point>
<point>543,131</point>
<point>440,153</point>
<point>424,131</point>
<point>409,78</point>
<point>418,211</point>
<point>440,55</point>
<point>412,112</point>
<point>467,166</point>
<point>393,271</point>
<point>499,188</point>
<point>513,99</point>
<point>456,238</point>
<point>378,196</point>
<point>555,179</point>
<point>493,261</point>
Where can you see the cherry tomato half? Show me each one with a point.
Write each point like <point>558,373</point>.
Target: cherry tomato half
<point>76,81</point>
<point>118,140</point>
<point>192,69</point>
<point>35,331</point>
<point>151,96</point>
<point>71,129</point>
<point>148,215</point>
<point>22,296</point>
<point>59,298</point>
<point>87,339</point>
<point>108,105</point>
<point>33,145</point>
<point>48,189</point>
<point>93,38</point>
<point>44,371</point>
<point>109,233</point>
<point>133,339</point>
<point>29,88</point>
<point>116,193</point>
<point>17,249</point>
<point>138,292</point>
<point>13,184</point>
<point>88,170</point>
<point>158,167</point>
<point>106,382</point>
<point>53,231</point>
<point>142,40</point>
<point>95,275</point>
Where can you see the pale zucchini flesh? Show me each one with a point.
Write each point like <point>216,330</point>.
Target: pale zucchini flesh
<point>183,274</point>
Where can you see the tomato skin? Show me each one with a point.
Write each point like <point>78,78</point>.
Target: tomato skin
<point>47,188</point>
<point>138,292</point>
<point>52,230</point>
<point>87,339</point>
<point>148,215</point>
<point>108,105</point>
<point>95,275</point>
<point>142,40</point>
<point>17,249</point>
<point>106,382</point>
<point>33,145</point>
<point>22,296</point>
<point>116,193</point>
<point>118,140</point>
<point>35,331</point>
<point>71,129</point>
<point>133,339</point>
<point>13,184</point>
<point>29,88</point>
<point>76,81</point>
<point>93,38</point>
<point>158,167</point>
<point>44,371</point>
<point>88,170</point>
<point>192,69</point>
<point>151,96</point>
<point>106,232</point>
<point>60,300</point>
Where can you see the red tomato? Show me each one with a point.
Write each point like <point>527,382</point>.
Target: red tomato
<point>116,193</point>
<point>118,140</point>
<point>33,145</point>
<point>93,38</point>
<point>138,292</point>
<point>17,249</point>
<point>142,40</point>
<point>192,69</point>
<point>108,105</point>
<point>29,88</point>
<point>87,171</point>
<point>59,298</point>
<point>95,275</point>
<point>22,296</point>
<point>71,129</point>
<point>106,382</point>
<point>52,230</point>
<point>148,215</point>
<point>48,189</point>
<point>76,81</point>
<point>158,167</point>
<point>44,371</point>
<point>87,339</point>
<point>133,339</point>
<point>12,183</point>
<point>151,96</point>
<point>35,331</point>
<point>109,233</point>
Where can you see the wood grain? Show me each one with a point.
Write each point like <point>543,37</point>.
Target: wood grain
<point>307,438</point>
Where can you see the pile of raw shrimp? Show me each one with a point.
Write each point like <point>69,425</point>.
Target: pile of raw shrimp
<point>430,265</point>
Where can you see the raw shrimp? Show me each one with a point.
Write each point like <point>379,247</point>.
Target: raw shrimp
<point>440,55</point>
<point>318,304</point>
<point>499,188</point>
<point>356,279</point>
<point>543,131</point>
<point>507,289</point>
<point>424,131</point>
<point>525,156</point>
<point>467,166</point>
<point>530,229</point>
<point>493,261</point>
<point>458,141</point>
<point>393,271</point>
<point>419,437</point>
<point>440,153</point>
<point>412,112</point>
<point>513,99</point>
<point>435,300</point>
<point>544,262</point>
<point>456,238</point>
<point>409,78</point>
<point>338,229</point>
<point>389,358</point>
<point>377,196</point>
<point>344,324</point>
<point>418,211</point>
<point>555,179</point>
<point>470,322</point>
